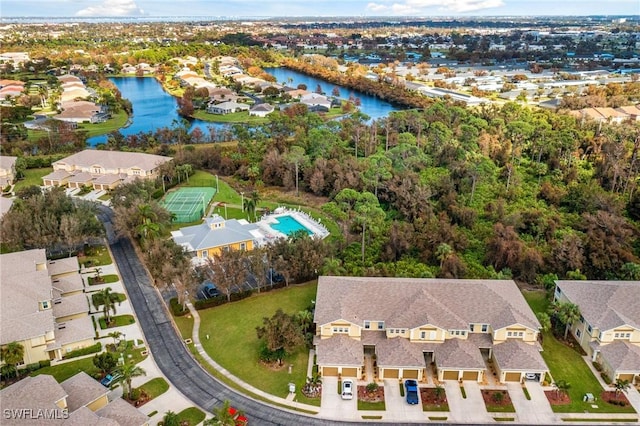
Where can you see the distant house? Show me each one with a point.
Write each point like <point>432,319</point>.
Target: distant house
<point>81,112</point>
<point>79,400</point>
<point>103,169</point>
<point>316,102</point>
<point>609,325</point>
<point>226,108</point>
<point>261,110</point>
<point>632,111</point>
<point>222,94</point>
<point>601,114</point>
<point>7,170</point>
<point>43,305</point>
<point>216,235</point>
<point>410,325</point>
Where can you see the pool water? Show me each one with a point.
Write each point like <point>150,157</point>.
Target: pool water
<point>288,225</point>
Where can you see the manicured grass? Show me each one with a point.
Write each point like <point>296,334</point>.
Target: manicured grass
<point>435,418</point>
<point>504,419</point>
<point>463,392</point>
<point>155,387</point>
<point>95,298</point>
<point>94,129</point>
<point>32,177</point>
<point>118,321</point>
<point>371,417</point>
<point>371,406</point>
<point>235,117</point>
<point>106,279</point>
<point>526,393</point>
<point>185,325</point>
<point>191,415</point>
<point>95,256</point>
<point>62,372</point>
<point>231,213</point>
<point>566,364</point>
<point>234,345</point>
<point>226,194</point>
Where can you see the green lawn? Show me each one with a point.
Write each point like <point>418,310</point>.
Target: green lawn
<point>565,363</point>
<point>191,415</point>
<point>234,345</point>
<point>118,321</point>
<point>62,372</point>
<point>185,325</point>
<point>155,387</point>
<point>226,194</point>
<point>117,121</point>
<point>95,256</point>
<point>32,177</point>
<point>371,406</point>
<point>235,117</point>
<point>106,279</point>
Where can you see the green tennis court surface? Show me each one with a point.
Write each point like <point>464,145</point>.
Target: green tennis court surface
<point>188,204</point>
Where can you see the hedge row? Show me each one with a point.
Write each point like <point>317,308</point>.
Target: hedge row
<point>221,300</point>
<point>176,308</point>
<point>39,161</point>
<point>84,351</point>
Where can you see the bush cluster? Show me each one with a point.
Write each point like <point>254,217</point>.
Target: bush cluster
<point>84,351</point>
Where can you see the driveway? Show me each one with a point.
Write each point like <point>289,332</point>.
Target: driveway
<point>397,408</point>
<point>333,406</point>
<point>634,398</point>
<point>537,409</point>
<point>466,410</point>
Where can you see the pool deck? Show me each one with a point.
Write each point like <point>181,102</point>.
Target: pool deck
<point>315,227</point>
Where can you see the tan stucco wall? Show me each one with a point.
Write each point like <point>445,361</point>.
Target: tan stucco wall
<point>502,334</point>
<point>77,345</point>
<point>415,334</point>
<point>98,403</point>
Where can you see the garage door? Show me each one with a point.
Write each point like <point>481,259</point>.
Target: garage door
<point>329,371</point>
<point>450,375</point>
<point>628,377</point>
<point>349,372</point>
<point>470,375</point>
<point>391,373</point>
<point>410,374</point>
<point>512,377</point>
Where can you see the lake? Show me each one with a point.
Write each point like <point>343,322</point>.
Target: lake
<point>153,108</point>
<point>369,105</point>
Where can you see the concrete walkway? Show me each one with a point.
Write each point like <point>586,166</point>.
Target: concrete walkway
<point>272,398</point>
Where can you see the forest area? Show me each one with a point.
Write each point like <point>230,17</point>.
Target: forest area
<point>497,192</point>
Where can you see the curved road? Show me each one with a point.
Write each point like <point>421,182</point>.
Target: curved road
<point>169,352</point>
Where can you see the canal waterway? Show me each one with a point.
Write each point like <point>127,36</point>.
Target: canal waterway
<point>374,107</point>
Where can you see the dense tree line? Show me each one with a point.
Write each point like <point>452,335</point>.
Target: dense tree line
<point>50,220</point>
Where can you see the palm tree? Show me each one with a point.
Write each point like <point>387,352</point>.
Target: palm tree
<point>108,302</point>
<point>12,354</point>
<point>567,313</point>
<point>170,419</point>
<point>621,386</point>
<point>439,392</point>
<point>128,371</point>
<point>115,335</point>
<point>98,277</point>
<point>251,203</point>
<point>443,251</point>
<point>562,387</point>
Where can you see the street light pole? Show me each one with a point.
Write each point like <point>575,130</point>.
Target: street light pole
<point>242,200</point>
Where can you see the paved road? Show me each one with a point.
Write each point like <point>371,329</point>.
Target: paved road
<point>169,352</point>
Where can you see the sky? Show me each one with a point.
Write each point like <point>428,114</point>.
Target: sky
<point>256,8</point>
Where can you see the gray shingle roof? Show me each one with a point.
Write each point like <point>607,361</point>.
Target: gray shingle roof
<point>36,393</point>
<point>459,354</point>
<point>201,236</point>
<point>123,412</point>
<point>70,305</point>
<point>605,304</point>
<point>412,302</point>
<point>82,390</point>
<point>114,159</point>
<point>86,417</point>
<point>63,266</point>
<point>516,354</point>
<point>622,356</point>
<point>339,350</point>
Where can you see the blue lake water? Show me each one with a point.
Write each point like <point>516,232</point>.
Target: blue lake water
<point>153,108</point>
<point>369,105</point>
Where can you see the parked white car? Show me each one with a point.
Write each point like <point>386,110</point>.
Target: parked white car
<point>347,389</point>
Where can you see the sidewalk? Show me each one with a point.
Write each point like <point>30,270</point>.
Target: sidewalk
<point>282,401</point>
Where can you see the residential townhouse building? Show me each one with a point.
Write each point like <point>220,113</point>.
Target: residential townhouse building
<point>416,328</point>
<point>609,325</point>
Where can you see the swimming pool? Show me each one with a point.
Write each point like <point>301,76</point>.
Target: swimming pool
<point>288,225</point>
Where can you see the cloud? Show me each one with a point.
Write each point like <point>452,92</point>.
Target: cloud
<point>407,7</point>
<point>112,8</point>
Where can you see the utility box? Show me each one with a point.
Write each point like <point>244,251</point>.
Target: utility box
<point>292,388</point>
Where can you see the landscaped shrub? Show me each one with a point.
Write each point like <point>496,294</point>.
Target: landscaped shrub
<point>605,377</point>
<point>84,351</point>
<point>372,387</point>
<point>210,303</point>
<point>597,366</point>
<point>176,308</point>
<point>32,367</point>
<point>241,295</point>
<point>45,363</point>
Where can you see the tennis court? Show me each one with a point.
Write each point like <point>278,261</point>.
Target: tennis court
<point>188,204</point>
